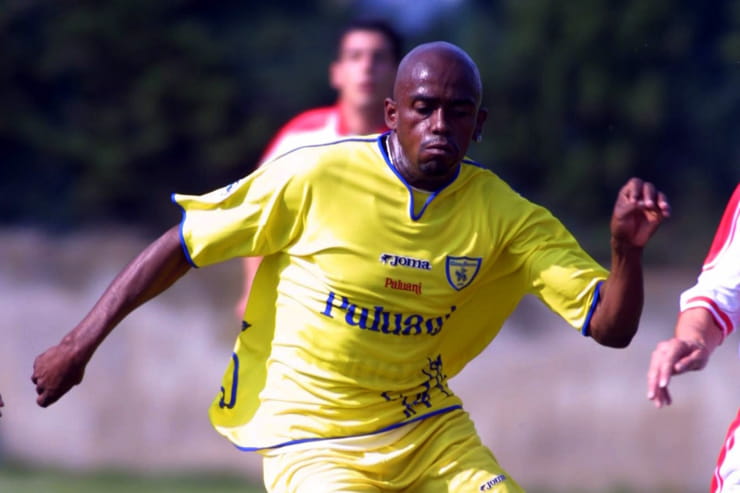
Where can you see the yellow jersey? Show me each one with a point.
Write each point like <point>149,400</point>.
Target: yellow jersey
<point>372,294</point>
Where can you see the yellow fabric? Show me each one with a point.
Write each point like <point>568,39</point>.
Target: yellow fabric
<point>442,454</point>
<point>366,303</point>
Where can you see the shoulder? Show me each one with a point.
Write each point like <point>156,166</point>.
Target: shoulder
<point>726,235</point>
<point>505,207</point>
<point>311,120</point>
<point>347,152</point>
<point>315,125</point>
<point>486,182</point>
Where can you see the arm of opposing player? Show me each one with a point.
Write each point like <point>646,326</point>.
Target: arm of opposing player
<point>697,335</point>
<point>154,270</point>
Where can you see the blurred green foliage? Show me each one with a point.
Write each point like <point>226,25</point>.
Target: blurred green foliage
<point>108,107</point>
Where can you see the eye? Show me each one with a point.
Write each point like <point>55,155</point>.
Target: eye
<point>423,108</point>
<point>462,110</point>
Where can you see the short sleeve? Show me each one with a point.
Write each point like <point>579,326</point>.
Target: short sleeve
<point>559,272</point>
<point>255,216</point>
<point>718,286</point>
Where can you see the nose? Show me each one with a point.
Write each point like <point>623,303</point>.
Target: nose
<point>439,121</point>
<point>367,63</point>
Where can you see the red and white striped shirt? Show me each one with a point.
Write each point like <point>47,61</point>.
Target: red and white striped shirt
<point>316,126</point>
<point>718,286</point>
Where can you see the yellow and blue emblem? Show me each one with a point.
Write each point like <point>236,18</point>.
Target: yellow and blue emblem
<point>462,270</point>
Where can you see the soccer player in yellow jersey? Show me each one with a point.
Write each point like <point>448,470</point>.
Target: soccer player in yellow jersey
<point>390,262</point>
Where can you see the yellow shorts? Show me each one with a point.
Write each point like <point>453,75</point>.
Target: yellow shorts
<point>441,454</point>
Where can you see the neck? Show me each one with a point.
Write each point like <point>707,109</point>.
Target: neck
<point>361,120</point>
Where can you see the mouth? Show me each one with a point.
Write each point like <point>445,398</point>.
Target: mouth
<point>438,148</point>
<point>367,87</point>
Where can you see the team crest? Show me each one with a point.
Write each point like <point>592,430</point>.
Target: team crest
<point>462,270</point>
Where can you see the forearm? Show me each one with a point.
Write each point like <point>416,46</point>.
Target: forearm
<point>150,273</point>
<point>617,315</point>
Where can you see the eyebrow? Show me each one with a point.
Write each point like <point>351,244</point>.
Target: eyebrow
<point>429,99</point>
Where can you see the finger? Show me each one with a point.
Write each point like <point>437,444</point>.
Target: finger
<point>648,195</point>
<point>665,398</point>
<point>652,384</point>
<point>662,398</point>
<point>632,190</point>
<point>661,367</point>
<point>45,400</point>
<point>665,364</point>
<point>663,204</point>
<point>654,376</point>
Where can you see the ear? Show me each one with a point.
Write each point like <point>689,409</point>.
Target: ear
<point>335,75</point>
<point>480,119</point>
<point>391,113</point>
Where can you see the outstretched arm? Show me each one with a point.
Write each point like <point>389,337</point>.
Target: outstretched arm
<point>638,211</point>
<point>696,336</point>
<point>155,269</point>
<point>710,310</point>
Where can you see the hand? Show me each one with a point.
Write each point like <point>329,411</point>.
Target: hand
<point>55,372</point>
<point>673,357</point>
<point>638,212</point>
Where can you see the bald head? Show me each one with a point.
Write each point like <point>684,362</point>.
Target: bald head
<point>434,114</point>
<point>441,60</point>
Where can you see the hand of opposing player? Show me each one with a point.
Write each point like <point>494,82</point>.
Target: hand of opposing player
<point>672,357</point>
<point>639,209</point>
<point>55,371</point>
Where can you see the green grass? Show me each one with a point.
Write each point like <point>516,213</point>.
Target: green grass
<point>26,480</point>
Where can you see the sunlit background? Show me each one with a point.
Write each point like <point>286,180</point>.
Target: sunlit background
<point>108,107</point>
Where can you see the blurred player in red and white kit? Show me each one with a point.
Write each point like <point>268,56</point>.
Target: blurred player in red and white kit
<point>709,311</point>
<point>362,73</point>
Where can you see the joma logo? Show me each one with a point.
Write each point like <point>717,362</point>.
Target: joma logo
<point>400,261</point>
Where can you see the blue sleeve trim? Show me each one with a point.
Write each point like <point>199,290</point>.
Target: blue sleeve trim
<point>585,331</point>
<point>387,428</point>
<point>182,237</point>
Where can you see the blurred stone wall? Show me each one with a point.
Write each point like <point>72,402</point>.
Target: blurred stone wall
<point>558,410</point>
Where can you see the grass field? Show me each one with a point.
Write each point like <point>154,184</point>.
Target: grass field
<point>27,480</point>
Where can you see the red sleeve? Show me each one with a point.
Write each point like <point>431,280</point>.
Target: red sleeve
<point>304,122</point>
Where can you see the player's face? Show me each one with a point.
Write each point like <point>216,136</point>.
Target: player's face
<point>436,115</point>
<point>364,70</point>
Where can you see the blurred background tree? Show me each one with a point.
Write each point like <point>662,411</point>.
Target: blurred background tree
<point>108,107</point>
